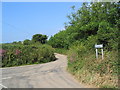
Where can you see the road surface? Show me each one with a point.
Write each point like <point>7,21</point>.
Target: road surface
<point>48,75</point>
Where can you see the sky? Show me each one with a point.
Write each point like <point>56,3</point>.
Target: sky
<point>22,20</point>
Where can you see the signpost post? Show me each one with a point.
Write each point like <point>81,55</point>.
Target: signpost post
<point>97,47</point>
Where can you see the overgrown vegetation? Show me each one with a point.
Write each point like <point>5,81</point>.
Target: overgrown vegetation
<point>61,51</point>
<point>93,23</point>
<point>100,73</point>
<point>15,54</point>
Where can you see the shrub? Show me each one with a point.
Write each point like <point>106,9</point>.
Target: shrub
<point>76,51</point>
<point>61,50</point>
<point>31,54</point>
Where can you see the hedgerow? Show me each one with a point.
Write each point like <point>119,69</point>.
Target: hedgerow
<point>17,54</point>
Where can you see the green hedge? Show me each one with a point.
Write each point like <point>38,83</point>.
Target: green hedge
<point>15,55</point>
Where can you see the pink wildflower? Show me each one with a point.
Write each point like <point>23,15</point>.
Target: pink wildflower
<point>2,51</point>
<point>17,52</point>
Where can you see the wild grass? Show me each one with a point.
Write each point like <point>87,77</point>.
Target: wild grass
<point>88,70</point>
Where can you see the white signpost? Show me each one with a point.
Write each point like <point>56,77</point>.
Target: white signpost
<point>97,47</point>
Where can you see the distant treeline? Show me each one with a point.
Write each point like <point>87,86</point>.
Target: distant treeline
<point>37,38</point>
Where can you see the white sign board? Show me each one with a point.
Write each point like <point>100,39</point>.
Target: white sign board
<point>99,46</point>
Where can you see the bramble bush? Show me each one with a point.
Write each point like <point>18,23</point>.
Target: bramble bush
<point>15,55</point>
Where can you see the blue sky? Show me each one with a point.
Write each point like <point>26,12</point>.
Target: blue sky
<point>21,20</point>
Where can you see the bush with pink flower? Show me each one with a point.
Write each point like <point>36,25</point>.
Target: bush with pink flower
<point>15,55</point>
<point>2,52</point>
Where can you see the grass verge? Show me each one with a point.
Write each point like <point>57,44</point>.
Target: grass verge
<point>88,70</point>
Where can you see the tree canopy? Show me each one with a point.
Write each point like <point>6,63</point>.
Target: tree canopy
<point>39,38</point>
<point>96,22</point>
<point>27,42</point>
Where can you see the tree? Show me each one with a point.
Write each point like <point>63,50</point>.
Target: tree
<point>14,42</point>
<point>98,20</point>
<point>39,38</point>
<point>27,42</point>
<point>59,40</point>
<point>43,39</point>
<point>17,42</point>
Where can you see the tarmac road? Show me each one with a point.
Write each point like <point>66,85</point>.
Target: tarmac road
<point>48,75</point>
